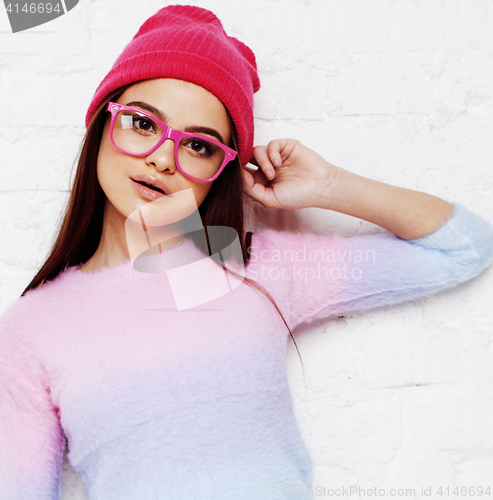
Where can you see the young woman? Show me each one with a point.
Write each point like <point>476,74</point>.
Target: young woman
<point>173,384</point>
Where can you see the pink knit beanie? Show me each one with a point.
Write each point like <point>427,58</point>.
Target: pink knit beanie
<point>189,43</point>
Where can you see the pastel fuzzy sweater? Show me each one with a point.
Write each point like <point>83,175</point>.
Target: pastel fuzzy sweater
<point>157,403</point>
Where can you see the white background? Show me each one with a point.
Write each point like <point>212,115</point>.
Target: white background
<point>396,90</point>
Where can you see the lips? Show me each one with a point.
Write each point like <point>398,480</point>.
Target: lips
<point>151,183</point>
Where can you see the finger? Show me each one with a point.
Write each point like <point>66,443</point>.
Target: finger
<point>263,161</point>
<point>274,150</point>
<point>257,174</point>
<point>260,193</point>
<point>252,178</point>
<point>255,153</point>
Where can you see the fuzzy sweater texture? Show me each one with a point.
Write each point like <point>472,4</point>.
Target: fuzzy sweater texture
<point>158,403</point>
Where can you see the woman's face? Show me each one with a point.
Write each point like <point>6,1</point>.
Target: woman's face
<point>184,106</point>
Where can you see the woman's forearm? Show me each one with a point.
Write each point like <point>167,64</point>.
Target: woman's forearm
<point>406,213</point>
<point>294,176</point>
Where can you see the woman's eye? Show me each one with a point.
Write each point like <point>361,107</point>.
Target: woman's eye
<point>197,146</point>
<point>141,123</point>
<point>200,146</point>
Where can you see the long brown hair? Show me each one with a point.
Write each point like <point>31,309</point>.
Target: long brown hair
<point>82,220</point>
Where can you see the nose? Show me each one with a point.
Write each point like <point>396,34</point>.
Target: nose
<point>164,157</point>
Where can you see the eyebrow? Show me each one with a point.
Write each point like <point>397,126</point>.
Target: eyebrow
<point>195,129</point>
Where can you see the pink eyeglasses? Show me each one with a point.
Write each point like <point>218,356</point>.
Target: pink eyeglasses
<point>139,134</point>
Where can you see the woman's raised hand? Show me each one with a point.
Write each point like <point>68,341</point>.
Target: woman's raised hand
<point>290,175</point>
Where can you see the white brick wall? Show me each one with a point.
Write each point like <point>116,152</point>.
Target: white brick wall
<point>397,90</point>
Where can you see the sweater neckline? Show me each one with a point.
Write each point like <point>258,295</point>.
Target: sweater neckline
<point>72,278</point>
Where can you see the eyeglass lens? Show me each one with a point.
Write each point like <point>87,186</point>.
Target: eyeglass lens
<point>138,134</point>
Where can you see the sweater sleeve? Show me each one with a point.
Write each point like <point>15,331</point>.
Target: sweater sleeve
<point>31,438</point>
<point>315,277</point>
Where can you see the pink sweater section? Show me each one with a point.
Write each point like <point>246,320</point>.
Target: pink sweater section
<point>158,403</point>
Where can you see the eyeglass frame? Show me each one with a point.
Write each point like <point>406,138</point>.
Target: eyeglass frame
<point>169,133</point>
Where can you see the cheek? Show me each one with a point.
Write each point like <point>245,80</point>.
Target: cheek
<point>201,191</point>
